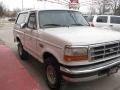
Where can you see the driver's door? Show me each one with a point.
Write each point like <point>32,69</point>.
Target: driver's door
<point>31,31</point>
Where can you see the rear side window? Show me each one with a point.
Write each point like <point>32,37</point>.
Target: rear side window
<point>115,20</point>
<point>90,18</point>
<point>21,18</point>
<point>102,19</point>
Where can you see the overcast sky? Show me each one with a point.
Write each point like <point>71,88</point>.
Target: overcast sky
<point>12,4</point>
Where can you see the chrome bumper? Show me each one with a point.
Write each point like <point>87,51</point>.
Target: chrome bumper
<point>86,70</point>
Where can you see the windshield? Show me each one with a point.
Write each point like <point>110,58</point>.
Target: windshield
<point>61,18</point>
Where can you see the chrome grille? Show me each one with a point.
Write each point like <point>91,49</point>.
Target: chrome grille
<point>105,50</point>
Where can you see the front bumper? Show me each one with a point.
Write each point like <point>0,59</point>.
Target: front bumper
<point>88,72</point>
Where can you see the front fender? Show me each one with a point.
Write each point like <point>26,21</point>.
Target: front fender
<point>55,52</point>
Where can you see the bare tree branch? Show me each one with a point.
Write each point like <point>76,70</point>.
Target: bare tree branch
<point>107,6</point>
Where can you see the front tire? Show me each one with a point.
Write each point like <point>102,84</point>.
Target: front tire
<point>52,74</point>
<point>22,53</point>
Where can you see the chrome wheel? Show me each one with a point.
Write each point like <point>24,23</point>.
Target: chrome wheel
<point>22,53</point>
<point>51,75</point>
<point>20,50</point>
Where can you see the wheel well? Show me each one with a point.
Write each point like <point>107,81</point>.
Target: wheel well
<point>17,38</point>
<point>47,54</point>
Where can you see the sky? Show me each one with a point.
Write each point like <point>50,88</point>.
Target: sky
<point>12,4</point>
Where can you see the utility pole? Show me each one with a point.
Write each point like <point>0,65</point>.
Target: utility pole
<point>22,5</point>
<point>91,7</point>
<point>44,4</point>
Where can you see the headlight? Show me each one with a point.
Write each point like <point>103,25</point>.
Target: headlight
<point>74,53</point>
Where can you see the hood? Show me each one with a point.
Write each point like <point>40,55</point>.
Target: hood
<point>84,35</point>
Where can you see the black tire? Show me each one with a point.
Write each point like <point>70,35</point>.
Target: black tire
<point>53,83</point>
<point>22,53</point>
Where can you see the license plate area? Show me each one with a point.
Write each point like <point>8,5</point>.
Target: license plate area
<point>109,71</point>
<point>113,70</point>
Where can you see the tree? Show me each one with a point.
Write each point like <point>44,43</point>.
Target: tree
<point>1,9</point>
<point>103,6</point>
<point>109,6</point>
<point>114,5</point>
<point>14,12</point>
<point>118,10</point>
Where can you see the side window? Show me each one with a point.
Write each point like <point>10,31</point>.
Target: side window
<point>115,20</point>
<point>32,21</point>
<point>102,19</point>
<point>21,18</point>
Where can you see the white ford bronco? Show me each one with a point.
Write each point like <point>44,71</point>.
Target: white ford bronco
<point>68,47</point>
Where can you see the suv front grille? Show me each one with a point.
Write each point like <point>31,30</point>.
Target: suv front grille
<point>105,50</point>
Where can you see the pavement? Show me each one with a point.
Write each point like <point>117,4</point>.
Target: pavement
<point>13,75</point>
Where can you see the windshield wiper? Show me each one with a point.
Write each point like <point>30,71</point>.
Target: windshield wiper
<point>77,24</point>
<point>54,25</point>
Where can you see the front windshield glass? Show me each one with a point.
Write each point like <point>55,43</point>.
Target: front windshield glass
<point>61,18</point>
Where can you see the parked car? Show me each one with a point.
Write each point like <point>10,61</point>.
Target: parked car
<point>105,21</point>
<point>12,19</point>
<point>68,47</point>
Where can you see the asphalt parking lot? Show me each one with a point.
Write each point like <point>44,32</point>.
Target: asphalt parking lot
<point>36,69</point>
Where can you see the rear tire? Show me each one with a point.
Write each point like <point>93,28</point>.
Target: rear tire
<point>22,53</point>
<point>52,73</point>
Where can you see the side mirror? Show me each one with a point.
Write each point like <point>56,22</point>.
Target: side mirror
<point>23,25</point>
<point>32,25</point>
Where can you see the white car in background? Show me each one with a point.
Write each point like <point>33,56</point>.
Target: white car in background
<point>105,21</point>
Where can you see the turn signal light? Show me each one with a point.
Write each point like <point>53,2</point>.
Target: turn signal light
<point>75,58</point>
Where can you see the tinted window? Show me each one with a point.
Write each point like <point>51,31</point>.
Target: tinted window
<point>21,18</point>
<point>32,21</point>
<point>90,18</point>
<point>102,19</point>
<point>115,20</point>
<point>56,18</point>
